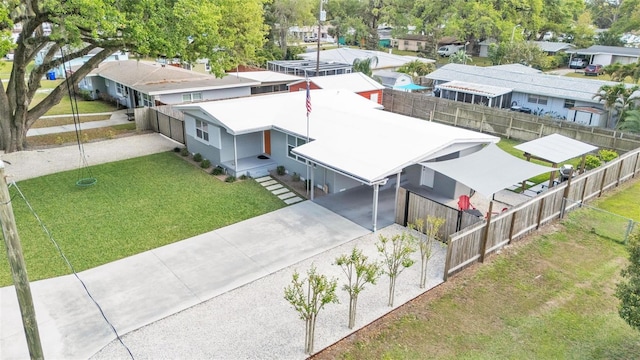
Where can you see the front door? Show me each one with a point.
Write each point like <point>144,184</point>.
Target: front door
<point>267,142</point>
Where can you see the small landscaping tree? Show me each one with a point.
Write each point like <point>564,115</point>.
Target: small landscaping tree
<point>427,237</point>
<point>359,272</point>
<point>628,291</point>
<point>308,302</point>
<point>397,257</point>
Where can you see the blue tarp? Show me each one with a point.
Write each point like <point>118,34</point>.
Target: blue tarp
<point>410,87</point>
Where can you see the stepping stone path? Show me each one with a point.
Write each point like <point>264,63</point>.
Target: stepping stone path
<point>277,189</point>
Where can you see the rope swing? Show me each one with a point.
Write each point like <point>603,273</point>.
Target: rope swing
<point>85,178</point>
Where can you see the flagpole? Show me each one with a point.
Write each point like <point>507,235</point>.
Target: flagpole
<point>308,105</point>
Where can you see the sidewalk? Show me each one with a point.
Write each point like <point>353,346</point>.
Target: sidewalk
<point>118,117</point>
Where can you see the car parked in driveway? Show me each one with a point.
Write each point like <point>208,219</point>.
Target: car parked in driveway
<point>595,69</point>
<point>577,63</point>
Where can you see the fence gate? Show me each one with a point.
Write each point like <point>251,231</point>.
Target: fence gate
<point>171,126</point>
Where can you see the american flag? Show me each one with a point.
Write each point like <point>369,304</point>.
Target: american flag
<point>308,99</point>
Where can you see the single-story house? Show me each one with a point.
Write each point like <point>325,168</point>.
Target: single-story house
<point>519,87</point>
<point>345,142</point>
<point>270,81</point>
<point>357,82</point>
<point>135,83</point>
<point>308,67</point>
<point>607,55</point>
<point>396,80</point>
<point>386,61</point>
<point>412,42</point>
<point>60,71</point>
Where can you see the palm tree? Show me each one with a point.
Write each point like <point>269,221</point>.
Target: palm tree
<point>460,57</point>
<point>631,122</point>
<point>365,65</point>
<point>617,98</point>
<point>416,69</point>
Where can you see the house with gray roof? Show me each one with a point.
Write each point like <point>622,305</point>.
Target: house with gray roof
<point>135,83</point>
<point>520,88</point>
<point>607,55</point>
<point>385,61</point>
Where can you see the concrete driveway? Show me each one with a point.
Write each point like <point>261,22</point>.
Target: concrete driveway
<point>141,289</point>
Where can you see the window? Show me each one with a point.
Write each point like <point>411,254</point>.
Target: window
<point>120,89</point>
<point>568,104</point>
<point>191,97</point>
<point>537,99</point>
<point>202,130</point>
<point>406,42</point>
<point>147,100</point>
<point>293,142</point>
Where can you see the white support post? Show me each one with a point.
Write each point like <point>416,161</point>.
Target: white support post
<point>376,188</point>
<point>312,182</point>
<point>397,189</point>
<point>235,156</point>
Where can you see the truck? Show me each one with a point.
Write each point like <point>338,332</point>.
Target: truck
<point>448,50</point>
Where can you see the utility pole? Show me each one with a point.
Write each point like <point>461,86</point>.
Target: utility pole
<point>18,269</point>
<point>322,16</point>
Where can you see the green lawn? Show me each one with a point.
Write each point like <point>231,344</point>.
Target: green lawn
<point>136,205</point>
<point>84,107</point>
<point>549,298</point>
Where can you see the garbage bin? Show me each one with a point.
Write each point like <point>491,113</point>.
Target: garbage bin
<point>51,75</point>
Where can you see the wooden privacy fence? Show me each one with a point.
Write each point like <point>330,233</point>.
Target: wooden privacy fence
<point>475,242</point>
<point>162,119</point>
<point>503,122</point>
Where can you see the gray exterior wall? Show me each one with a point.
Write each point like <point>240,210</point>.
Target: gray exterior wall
<point>554,105</point>
<point>412,174</point>
<point>217,94</point>
<point>196,145</point>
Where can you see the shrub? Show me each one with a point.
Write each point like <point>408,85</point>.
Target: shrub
<point>85,95</point>
<point>280,170</point>
<point>184,152</point>
<point>230,179</point>
<point>197,157</point>
<point>205,164</point>
<point>244,177</point>
<point>607,155</point>
<point>295,177</point>
<point>592,162</point>
<point>217,171</point>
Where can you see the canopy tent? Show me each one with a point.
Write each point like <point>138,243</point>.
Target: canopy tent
<point>489,170</point>
<point>555,149</point>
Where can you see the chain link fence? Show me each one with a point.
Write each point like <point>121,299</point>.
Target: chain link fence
<point>601,222</point>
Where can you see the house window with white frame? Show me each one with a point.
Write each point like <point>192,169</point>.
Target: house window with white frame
<point>202,130</point>
<point>120,89</point>
<point>568,103</point>
<point>191,97</point>
<point>293,142</point>
<point>147,100</point>
<point>537,99</point>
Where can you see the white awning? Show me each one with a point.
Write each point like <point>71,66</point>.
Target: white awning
<point>556,148</point>
<point>489,170</point>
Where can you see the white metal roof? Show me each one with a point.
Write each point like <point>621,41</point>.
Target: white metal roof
<point>347,55</point>
<point>472,88</point>
<point>266,76</point>
<point>350,134</point>
<point>556,148</point>
<point>356,82</point>
<point>489,170</point>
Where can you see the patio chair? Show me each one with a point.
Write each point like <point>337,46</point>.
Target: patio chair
<point>464,203</point>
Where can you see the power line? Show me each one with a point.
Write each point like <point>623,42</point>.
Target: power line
<point>73,270</point>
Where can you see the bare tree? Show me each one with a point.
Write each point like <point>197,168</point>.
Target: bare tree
<point>359,272</point>
<point>319,292</point>
<point>427,237</point>
<point>397,257</point>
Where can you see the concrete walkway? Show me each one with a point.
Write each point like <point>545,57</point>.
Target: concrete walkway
<point>118,117</point>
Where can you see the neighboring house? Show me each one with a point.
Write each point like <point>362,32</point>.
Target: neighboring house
<point>308,67</point>
<point>357,82</point>
<point>352,142</point>
<point>345,55</point>
<point>519,87</point>
<point>140,83</point>
<point>393,79</point>
<point>270,81</point>
<point>412,42</point>
<point>607,55</point>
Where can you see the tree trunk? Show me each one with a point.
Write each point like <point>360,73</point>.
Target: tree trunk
<point>353,301</point>
<point>423,272</point>
<point>392,290</point>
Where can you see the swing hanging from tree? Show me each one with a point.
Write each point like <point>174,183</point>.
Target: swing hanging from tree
<point>85,177</point>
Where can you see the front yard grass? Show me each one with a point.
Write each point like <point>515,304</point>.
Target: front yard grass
<point>66,138</point>
<point>550,297</point>
<point>136,205</point>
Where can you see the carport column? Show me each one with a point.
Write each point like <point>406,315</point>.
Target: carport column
<point>376,188</point>
<point>312,180</point>
<point>235,156</point>
<point>397,189</point>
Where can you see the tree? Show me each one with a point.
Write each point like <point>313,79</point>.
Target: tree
<point>427,237</point>
<point>308,303</point>
<point>365,65</point>
<point>416,69</point>
<point>397,257</point>
<point>631,122</point>
<point>227,32</point>
<point>460,57</point>
<point>609,38</point>
<point>617,98</point>
<point>359,272</point>
<point>282,14</point>
<point>628,290</point>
